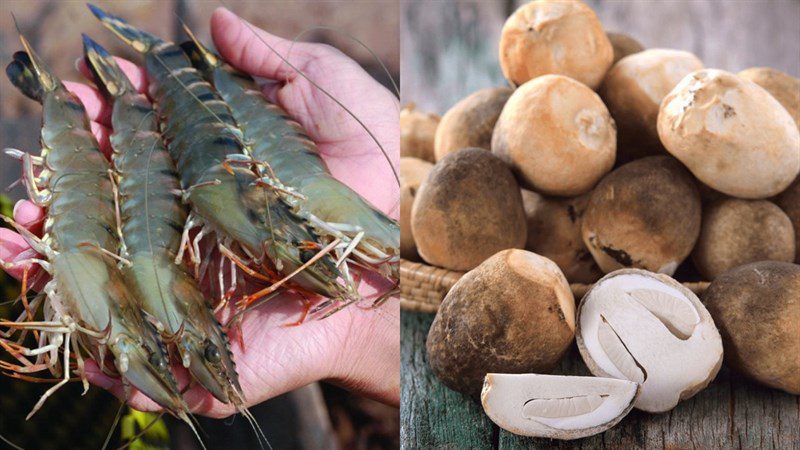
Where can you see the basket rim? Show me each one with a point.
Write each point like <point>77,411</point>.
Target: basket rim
<point>424,286</point>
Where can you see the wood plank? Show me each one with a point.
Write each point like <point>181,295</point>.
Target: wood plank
<point>431,415</point>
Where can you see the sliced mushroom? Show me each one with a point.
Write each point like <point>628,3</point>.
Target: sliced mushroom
<point>556,406</point>
<point>645,327</point>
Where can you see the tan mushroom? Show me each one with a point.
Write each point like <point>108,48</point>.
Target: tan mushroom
<point>731,134</point>
<point>557,136</point>
<point>633,90</point>
<point>417,133</point>
<point>555,37</point>
<point>470,122</point>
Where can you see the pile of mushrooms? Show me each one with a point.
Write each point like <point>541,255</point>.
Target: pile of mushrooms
<point>611,164</point>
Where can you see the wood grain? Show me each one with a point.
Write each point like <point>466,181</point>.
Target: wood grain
<point>431,415</point>
<point>731,413</point>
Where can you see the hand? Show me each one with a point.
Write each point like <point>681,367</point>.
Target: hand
<point>355,348</point>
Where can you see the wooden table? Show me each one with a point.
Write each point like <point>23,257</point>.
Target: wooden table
<point>449,50</point>
<point>731,413</point>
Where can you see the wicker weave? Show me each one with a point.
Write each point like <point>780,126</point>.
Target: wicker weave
<point>423,287</point>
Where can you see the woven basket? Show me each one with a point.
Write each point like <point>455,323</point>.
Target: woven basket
<point>423,287</point>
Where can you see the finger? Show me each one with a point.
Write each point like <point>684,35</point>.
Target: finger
<point>30,216</point>
<point>252,49</point>
<point>96,106</point>
<point>13,247</point>
<point>137,400</point>
<point>103,136</point>
<point>271,88</point>
<point>136,74</point>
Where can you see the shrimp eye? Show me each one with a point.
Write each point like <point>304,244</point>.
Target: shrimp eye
<point>157,361</point>
<point>212,353</point>
<point>306,255</point>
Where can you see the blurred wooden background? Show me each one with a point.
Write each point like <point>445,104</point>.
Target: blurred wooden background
<point>314,417</point>
<point>449,50</point>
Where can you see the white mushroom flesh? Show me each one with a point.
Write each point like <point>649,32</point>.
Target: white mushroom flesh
<point>636,326</point>
<point>555,406</point>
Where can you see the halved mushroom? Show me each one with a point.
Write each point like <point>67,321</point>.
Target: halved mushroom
<point>556,406</point>
<point>645,327</point>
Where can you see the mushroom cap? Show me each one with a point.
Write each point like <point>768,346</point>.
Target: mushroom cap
<point>731,134</point>
<point>633,90</point>
<point>417,133</point>
<point>469,123</point>
<point>468,209</point>
<point>784,87</point>
<point>514,313</point>
<point>554,231</point>
<point>557,136</point>
<point>736,232</point>
<point>757,309</point>
<point>789,202</point>
<point>629,223</point>
<point>623,45</point>
<point>412,172</point>
<point>555,37</point>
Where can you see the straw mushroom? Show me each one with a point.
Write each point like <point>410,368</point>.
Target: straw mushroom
<point>623,45</point>
<point>789,202</point>
<point>645,214</point>
<point>469,123</point>
<point>556,407</point>
<point>633,90</point>
<point>648,328</point>
<point>757,309</point>
<point>514,313</point>
<point>784,87</point>
<point>554,231</point>
<point>731,134</point>
<point>557,136</point>
<point>736,232</point>
<point>417,132</point>
<point>555,37</point>
<point>468,209</point>
<point>412,172</point>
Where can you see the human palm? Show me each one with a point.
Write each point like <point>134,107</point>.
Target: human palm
<point>356,347</point>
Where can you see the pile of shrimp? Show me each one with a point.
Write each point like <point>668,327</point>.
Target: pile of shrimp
<point>206,158</point>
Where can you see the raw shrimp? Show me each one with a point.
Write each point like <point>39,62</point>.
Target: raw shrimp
<point>87,306</point>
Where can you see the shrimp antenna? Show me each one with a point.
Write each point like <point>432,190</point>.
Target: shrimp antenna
<point>187,419</point>
<point>113,426</point>
<point>327,94</point>
<point>13,445</point>
<point>254,425</point>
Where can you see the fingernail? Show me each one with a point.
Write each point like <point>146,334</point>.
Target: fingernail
<point>78,63</point>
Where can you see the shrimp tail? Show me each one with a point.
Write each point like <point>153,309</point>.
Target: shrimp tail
<point>201,56</point>
<point>29,74</point>
<point>141,41</point>
<point>106,72</point>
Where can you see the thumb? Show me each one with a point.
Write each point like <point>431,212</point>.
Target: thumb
<point>253,50</point>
